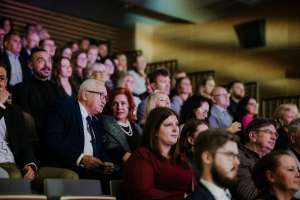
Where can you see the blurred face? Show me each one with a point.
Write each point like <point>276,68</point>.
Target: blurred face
<point>65,68</point>
<point>288,116</point>
<point>110,68</point>
<point>163,100</point>
<point>95,99</point>
<point>85,44</point>
<point>33,40</point>
<point>168,133</point>
<point>201,128</point>
<point>6,26</point>
<point>92,55</point>
<point>238,90</point>
<point>128,83</point>
<point>3,78</point>
<point>252,107</point>
<point>41,64</point>
<point>287,175</point>
<point>209,86</point>
<point>221,97</point>
<point>141,63</point>
<point>2,33</point>
<point>81,60</point>
<point>120,108</point>
<point>265,139</point>
<point>49,46</point>
<point>14,44</point>
<point>202,111</point>
<point>67,52</point>
<point>121,63</point>
<point>186,86</point>
<point>75,47</point>
<point>99,72</point>
<point>225,165</point>
<point>103,50</point>
<point>162,83</point>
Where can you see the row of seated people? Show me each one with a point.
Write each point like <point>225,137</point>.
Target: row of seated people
<point>121,135</point>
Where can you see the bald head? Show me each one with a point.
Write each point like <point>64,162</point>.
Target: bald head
<point>220,97</point>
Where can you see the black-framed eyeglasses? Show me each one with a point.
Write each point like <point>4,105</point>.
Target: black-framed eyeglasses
<point>3,78</point>
<point>101,94</point>
<point>230,155</point>
<point>270,132</point>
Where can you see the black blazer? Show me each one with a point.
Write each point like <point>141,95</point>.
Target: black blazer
<point>201,193</point>
<point>17,135</point>
<point>64,137</point>
<point>26,72</point>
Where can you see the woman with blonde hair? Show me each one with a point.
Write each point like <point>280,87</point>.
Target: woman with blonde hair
<point>283,115</point>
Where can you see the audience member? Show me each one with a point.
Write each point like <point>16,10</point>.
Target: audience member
<point>66,52</point>
<point>189,132</point>
<point>122,134</point>
<point>6,24</point>
<point>73,136</point>
<point>195,107</point>
<point>84,44</point>
<point>2,34</point>
<point>17,70</point>
<point>237,92</point>
<point>36,95</point>
<point>283,115</point>
<point>206,87</point>
<point>121,62</point>
<point>79,65</point>
<point>218,157</point>
<point>259,138</point>
<point>138,73</point>
<point>184,91</point>
<point>49,46</point>
<point>96,71</point>
<point>103,50</point>
<point>32,40</point>
<point>110,70</point>
<point>277,176</point>
<point>156,171</point>
<point>92,55</point>
<point>247,110</point>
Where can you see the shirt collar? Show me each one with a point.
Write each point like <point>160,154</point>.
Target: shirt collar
<point>215,190</point>
<point>83,111</point>
<point>10,54</point>
<point>220,108</point>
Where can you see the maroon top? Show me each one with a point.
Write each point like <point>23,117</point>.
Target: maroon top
<point>149,177</point>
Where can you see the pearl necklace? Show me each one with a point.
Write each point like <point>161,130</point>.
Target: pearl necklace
<point>129,132</point>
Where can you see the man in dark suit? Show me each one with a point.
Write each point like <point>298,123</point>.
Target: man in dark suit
<point>218,156</point>
<point>16,67</point>
<point>73,136</point>
<point>16,152</point>
<point>32,41</point>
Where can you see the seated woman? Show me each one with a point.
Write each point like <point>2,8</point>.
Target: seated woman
<point>183,92</point>
<point>62,78</point>
<point>155,100</point>
<point>122,134</point>
<point>246,111</point>
<point>277,176</point>
<point>156,171</point>
<point>188,135</point>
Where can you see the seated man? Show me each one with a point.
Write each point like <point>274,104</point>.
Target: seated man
<point>260,138</point>
<point>16,152</point>
<point>218,156</point>
<point>73,136</point>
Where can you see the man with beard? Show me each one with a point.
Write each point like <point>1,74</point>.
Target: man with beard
<point>260,138</point>
<point>36,95</point>
<point>218,156</point>
<point>237,92</point>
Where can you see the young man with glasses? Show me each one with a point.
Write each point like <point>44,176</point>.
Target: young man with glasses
<point>259,139</point>
<point>218,157</point>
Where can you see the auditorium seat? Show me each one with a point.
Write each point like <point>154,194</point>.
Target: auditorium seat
<point>23,197</point>
<point>14,187</point>
<point>104,197</point>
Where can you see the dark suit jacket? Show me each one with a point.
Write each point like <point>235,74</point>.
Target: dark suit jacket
<point>26,72</point>
<point>201,193</point>
<point>64,137</point>
<point>17,135</point>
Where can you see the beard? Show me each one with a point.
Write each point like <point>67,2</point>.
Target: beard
<point>220,178</point>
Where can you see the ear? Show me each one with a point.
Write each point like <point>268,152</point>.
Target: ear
<point>190,140</point>
<point>5,44</point>
<point>252,136</point>
<point>153,86</point>
<point>84,96</point>
<point>30,64</point>
<point>207,158</point>
<point>270,176</point>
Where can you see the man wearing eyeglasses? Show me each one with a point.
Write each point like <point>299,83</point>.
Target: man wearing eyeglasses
<point>259,139</point>
<point>74,136</point>
<point>218,157</point>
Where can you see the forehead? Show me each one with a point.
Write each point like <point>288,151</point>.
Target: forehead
<point>229,146</point>
<point>270,127</point>
<point>286,160</point>
<point>220,90</point>
<point>2,71</point>
<point>14,37</point>
<point>41,54</point>
<point>162,78</point>
<point>49,42</point>
<point>238,85</point>
<point>64,61</point>
<point>171,118</point>
<point>121,97</point>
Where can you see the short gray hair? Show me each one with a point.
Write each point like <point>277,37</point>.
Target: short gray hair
<point>294,126</point>
<point>89,84</point>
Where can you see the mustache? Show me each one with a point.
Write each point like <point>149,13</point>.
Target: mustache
<point>45,68</point>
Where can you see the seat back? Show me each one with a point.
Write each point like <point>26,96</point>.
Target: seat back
<point>14,187</point>
<point>102,197</point>
<point>54,188</point>
<point>23,197</point>
<point>116,188</point>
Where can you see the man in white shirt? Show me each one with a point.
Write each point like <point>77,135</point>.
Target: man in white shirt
<point>218,156</point>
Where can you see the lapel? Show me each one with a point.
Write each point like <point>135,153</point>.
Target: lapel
<point>78,121</point>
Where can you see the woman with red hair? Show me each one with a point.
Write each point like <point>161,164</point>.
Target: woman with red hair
<point>122,134</point>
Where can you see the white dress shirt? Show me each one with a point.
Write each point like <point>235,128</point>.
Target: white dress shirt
<point>88,147</point>
<point>216,191</point>
<point>16,75</point>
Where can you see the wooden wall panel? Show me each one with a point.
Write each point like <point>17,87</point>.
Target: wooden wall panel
<point>63,28</point>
